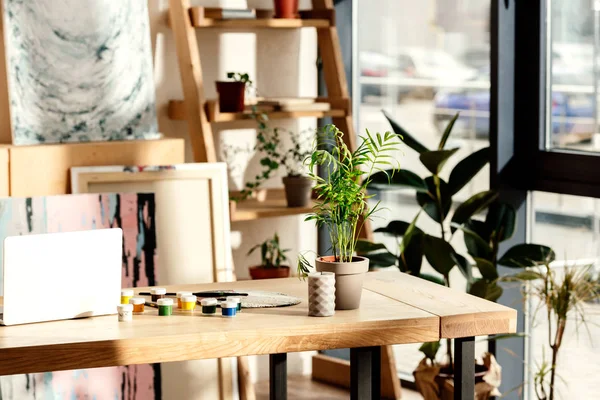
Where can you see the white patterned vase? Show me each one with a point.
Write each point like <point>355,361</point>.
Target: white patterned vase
<point>321,294</point>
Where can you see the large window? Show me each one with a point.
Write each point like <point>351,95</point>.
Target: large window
<point>423,62</point>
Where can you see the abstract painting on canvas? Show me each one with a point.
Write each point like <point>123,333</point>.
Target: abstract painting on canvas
<point>79,71</point>
<point>134,214</point>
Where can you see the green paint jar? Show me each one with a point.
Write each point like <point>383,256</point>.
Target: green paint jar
<point>238,301</point>
<point>209,306</point>
<point>165,307</point>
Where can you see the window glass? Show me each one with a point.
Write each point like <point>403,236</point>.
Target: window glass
<point>574,65</point>
<point>423,62</point>
<point>568,224</point>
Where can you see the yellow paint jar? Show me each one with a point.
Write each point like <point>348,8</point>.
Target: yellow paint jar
<point>180,295</point>
<point>126,295</point>
<point>188,303</point>
<point>138,304</point>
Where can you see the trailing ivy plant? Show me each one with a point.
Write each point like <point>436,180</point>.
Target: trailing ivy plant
<point>341,204</point>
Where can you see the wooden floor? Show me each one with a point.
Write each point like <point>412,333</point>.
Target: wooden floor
<point>304,388</point>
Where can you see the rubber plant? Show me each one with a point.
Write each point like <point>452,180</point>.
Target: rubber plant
<point>484,219</point>
<point>272,256</point>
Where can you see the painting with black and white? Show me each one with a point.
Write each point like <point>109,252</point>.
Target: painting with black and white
<point>79,71</point>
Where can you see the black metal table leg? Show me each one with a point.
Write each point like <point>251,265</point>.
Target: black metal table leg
<point>464,368</point>
<point>278,376</point>
<point>365,373</point>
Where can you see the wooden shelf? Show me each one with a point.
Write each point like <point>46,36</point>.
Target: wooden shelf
<point>176,111</point>
<point>198,21</point>
<point>249,210</point>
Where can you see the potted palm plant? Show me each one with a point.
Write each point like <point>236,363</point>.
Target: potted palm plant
<point>232,92</point>
<point>342,204</point>
<point>272,256</point>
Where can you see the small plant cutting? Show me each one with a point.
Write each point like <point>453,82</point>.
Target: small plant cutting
<point>561,294</point>
<point>232,92</point>
<point>272,256</point>
<point>342,204</point>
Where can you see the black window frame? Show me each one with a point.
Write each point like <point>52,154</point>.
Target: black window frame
<point>532,166</point>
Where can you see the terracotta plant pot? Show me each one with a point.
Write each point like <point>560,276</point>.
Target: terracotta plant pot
<point>286,8</point>
<point>231,96</point>
<point>321,294</point>
<point>298,190</point>
<point>260,272</point>
<point>349,278</point>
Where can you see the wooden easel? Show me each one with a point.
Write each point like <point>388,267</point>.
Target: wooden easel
<point>184,20</point>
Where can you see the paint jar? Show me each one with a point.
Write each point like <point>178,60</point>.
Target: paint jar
<point>138,304</point>
<point>165,307</point>
<point>125,312</point>
<point>126,295</point>
<point>228,308</point>
<point>209,306</point>
<point>157,293</point>
<point>238,301</point>
<point>188,303</point>
<point>180,295</point>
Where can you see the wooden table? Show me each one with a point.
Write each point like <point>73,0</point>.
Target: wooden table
<point>396,308</point>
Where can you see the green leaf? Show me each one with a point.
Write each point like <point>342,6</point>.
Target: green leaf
<point>467,168</point>
<point>411,258</point>
<point>472,206</point>
<point>406,137</point>
<point>391,179</point>
<point>464,266</point>
<point>439,254</point>
<point>395,228</point>
<point>430,349</point>
<point>447,132</point>
<point>487,268</point>
<point>476,238</point>
<point>412,228</point>
<point>502,219</point>
<point>527,255</point>
<point>526,275</point>
<point>429,204</point>
<point>364,246</point>
<point>432,278</point>
<point>435,160</point>
<point>486,290</point>
<point>381,259</point>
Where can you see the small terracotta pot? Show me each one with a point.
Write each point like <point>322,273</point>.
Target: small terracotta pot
<point>349,278</point>
<point>298,190</point>
<point>231,96</point>
<point>286,8</point>
<point>260,272</point>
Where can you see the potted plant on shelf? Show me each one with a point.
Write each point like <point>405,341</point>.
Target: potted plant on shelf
<point>272,256</point>
<point>286,8</point>
<point>232,92</point>
<point>341,204</point>
<point>482,237</point>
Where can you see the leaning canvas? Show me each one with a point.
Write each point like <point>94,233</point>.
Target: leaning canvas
<point>134,214</point>
<point>79,71</point>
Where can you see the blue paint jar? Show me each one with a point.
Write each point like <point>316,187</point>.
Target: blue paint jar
<point>228,308</point>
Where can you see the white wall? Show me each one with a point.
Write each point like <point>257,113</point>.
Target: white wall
<point>282,63</point>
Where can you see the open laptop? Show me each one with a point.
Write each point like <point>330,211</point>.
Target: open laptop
<point>58,276</point>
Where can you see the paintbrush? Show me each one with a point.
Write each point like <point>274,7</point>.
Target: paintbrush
<point>216,293</point>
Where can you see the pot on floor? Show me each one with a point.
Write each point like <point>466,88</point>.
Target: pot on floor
<point>349,277</point>
<point>286,8</point>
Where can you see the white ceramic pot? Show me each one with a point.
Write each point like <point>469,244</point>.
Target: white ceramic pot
<point>321,294</point>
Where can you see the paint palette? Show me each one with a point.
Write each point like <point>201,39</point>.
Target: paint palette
<point>263,299</point>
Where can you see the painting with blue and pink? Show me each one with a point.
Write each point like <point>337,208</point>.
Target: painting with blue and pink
<point>134,214</point>
<point>79,71</point>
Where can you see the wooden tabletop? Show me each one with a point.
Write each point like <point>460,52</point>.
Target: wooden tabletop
<point>395,309</point>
